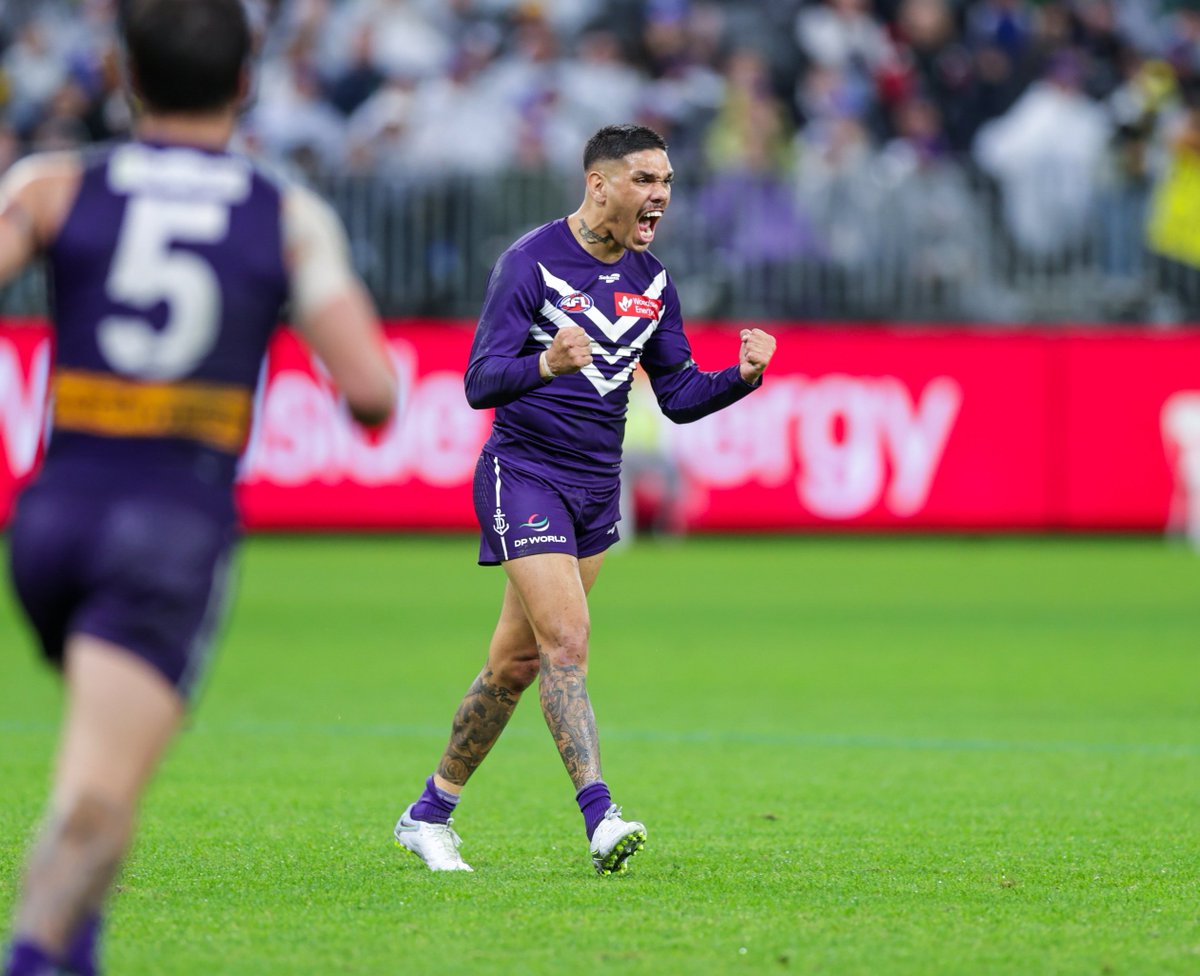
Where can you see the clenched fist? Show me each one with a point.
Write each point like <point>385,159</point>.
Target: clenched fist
<point>757,349</point>
<point>570,351</point>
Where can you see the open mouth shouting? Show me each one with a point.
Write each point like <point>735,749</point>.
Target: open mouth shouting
<point>646,224</point>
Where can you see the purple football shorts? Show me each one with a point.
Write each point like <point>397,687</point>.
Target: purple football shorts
<point>144,572</point>
<point>521,513</point>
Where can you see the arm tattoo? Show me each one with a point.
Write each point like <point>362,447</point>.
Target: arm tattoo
<point>568,712</point>
<point>481,717</point>
<point>591,236</point>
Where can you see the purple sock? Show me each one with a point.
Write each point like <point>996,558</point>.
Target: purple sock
<point>80,957</point>
<point>26,958</point>
<point>594,801</point>
<point>434,806</point>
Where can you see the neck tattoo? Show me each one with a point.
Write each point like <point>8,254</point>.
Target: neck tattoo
<point>591,236</point>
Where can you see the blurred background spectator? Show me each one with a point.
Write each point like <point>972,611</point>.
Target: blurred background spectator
<point>1046,154</point>
<point>993,160</point>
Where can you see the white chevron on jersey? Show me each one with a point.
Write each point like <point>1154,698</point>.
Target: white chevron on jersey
<point>604,385</point>
<point>612,330</point>
<point>561,318</point>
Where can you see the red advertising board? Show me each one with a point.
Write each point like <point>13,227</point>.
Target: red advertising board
<point>307,464</point>
<point>862,428</point>
<point>876,429</point>
<point>25,354</point>
<point>1130,413</point>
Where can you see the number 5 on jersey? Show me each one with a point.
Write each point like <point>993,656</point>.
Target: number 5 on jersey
<point>146,270</point>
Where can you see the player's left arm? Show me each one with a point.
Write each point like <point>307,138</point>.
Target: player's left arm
<point>332,309</point>
<point>35,196</point>
<point>685,392</point>
<point>755,355</point>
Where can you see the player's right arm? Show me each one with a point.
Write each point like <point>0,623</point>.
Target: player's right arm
<point>35,197</point>
<point>500,369</point>
<point>332,310</point>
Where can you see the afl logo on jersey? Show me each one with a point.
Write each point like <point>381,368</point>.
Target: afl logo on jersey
<point>577,301</point>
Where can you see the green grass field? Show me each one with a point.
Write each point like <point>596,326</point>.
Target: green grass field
<point>853,755</point>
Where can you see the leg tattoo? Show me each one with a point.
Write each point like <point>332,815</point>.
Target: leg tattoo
<point>568,711</point>
<point>481,717</point>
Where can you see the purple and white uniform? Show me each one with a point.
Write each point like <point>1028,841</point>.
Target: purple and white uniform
<point>167,280</point>
<point>549,476</point>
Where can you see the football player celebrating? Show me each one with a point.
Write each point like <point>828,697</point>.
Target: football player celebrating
<point>572,308</point>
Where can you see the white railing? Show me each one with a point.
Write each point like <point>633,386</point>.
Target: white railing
<point>931,245</point>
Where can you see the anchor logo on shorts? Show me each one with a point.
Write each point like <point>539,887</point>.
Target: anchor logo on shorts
<point>499,522</point>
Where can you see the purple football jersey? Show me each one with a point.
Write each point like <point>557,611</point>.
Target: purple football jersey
<point>571,428</point>
<point>167,280</point>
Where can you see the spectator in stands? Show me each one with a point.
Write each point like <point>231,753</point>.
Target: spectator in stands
<point>749,204</point>
<point>360,78</point>
<point>933,66</point>
<point>530,78</point>
<point>996,83</point>
<point>1181,41</point>
<point>1046,153</point>
<point>62,125</point>
<point>1175,210</point>
<point>843,36</point>
<point>461,123</point>
<point>834,173</point>
<point>931,229</point>
<point>291,119</point>
<point>370,85</point>
<point>378,133</point>
<point>653,482</point>
<point>405,41</point>
<point>1147,95</point>
<point>1096,36</point>
<point>34,69</point>
<point>751,121</point>
<point>1004,24</point>
<point>680,49</point>
<point>601,84</point>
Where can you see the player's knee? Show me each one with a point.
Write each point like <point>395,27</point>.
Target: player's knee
<point>566,645</point>
<point>518,674</point>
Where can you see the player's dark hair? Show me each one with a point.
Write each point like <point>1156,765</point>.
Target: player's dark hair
<point>618,141</point>
<point>186,55</point>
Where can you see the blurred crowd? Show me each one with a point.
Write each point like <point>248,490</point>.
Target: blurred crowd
<point>789,113</point>
<point>483,85</point>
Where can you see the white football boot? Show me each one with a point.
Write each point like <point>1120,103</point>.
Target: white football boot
<point>615,841</point>
<point>435,844</point>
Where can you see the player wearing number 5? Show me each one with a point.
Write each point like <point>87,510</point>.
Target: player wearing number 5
<point>170,261</point>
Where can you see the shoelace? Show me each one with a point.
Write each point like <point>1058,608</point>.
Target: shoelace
<point>613,812</point>
<point>447,838</point>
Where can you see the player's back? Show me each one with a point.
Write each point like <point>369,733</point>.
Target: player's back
<point>167,280</point>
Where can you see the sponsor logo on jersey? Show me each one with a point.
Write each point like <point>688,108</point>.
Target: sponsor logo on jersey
<point>499,522</point>
<point>577,301</point>
<point>539,523</point>
<point>639,306</point>
<point>216,414</point>
<point>608,279</point>
<point>539,540</point>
